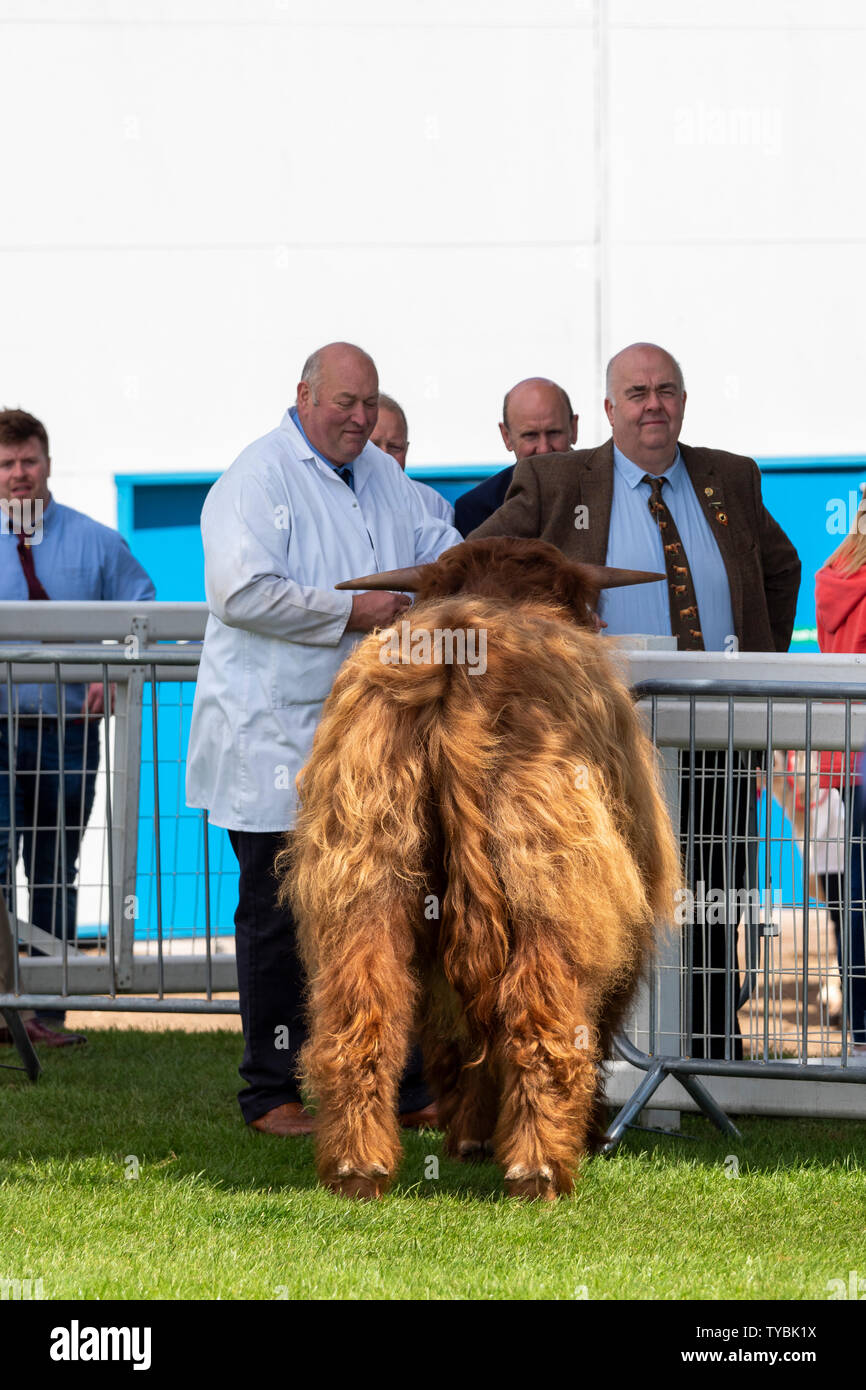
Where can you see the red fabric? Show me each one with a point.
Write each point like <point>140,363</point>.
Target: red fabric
<point>831,769</point>
<point>25,555</point>
<point>840,608</point>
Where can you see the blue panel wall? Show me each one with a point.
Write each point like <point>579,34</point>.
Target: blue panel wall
<point>812,499</point>
<point>158,514</point>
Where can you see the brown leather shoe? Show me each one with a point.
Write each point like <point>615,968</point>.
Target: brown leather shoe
<point>285,1120</point>
<point>428,1118</point>
<point>44,1036</point>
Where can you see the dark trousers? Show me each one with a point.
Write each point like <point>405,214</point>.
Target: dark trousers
<point>856,983</point>
<point>713,876</point>
<point>271,987</point>
<point>32,777</point>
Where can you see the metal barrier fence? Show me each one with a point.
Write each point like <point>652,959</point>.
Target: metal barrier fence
<point>765,974</point>
<point>74,783</point>
<point>750,982</point>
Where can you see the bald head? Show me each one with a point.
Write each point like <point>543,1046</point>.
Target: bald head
<point>637,352</point>
<point>338,400</point>
<point>537,418</point>
<point>645,400</point>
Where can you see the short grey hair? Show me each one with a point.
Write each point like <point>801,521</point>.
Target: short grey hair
<point>313,369</point>
<point>609,372</point>
<point>312,373</point>
<point>388,403</point>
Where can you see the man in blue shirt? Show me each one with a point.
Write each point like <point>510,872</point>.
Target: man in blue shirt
<point>48,551</point>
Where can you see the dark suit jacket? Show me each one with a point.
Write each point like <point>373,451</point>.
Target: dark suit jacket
<point>480,502</point>
<point>762,565</point>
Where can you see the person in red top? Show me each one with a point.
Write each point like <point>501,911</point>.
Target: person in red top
<point>840,608</point>
<point>840,593</point>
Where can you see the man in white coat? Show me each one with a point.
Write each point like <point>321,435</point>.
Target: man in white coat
<point>306,506</point>
<point>392,435</point>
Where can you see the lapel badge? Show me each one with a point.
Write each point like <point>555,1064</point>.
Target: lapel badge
<point>722,518</point>
<point>708,492</point>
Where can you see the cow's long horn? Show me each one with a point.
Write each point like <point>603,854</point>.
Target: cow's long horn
<point>605,577</point>
<point>407,579</point>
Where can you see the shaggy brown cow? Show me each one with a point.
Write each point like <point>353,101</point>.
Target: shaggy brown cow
<point>481,858</point>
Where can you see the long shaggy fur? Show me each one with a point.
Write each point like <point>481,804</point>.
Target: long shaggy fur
<point>480,860</point>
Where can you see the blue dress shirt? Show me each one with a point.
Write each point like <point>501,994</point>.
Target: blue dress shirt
<point>634,542</point>
<point>76,558</point>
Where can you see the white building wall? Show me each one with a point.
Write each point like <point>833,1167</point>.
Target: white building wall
<point>195,193</point>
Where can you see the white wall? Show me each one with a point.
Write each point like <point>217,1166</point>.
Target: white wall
<point>198,192</point>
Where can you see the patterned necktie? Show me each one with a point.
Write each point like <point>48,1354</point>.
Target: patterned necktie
<point>25,555</point>
<point>347,476</point>
<point>682,599</point>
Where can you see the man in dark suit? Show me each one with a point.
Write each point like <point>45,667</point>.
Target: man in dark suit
<point>537,418</point>
<point>646,501</point>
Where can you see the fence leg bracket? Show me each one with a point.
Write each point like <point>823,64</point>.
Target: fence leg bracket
<point>633,1106</point>
<point>23,1045</point>
<point>711,1108</point>
<point>656,1071</point>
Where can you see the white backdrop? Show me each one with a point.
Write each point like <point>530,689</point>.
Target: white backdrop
<point>196,193</point>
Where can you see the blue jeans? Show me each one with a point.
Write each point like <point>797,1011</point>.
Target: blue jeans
<point>36,781</point>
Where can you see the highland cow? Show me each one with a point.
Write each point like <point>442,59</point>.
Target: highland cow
<point>481,861</point>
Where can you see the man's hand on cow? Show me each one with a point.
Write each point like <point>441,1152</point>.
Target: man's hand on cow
<point>597,623</point>
<point>375,608</point>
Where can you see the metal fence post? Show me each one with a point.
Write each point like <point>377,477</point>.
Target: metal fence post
<point>125,798</point>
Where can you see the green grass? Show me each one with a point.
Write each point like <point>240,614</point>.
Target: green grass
<point>219,1211</point>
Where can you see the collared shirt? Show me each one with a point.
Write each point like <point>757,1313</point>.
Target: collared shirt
<point>634,542</point>
<point>436,504</point>
<point>293,412</point>
<point>280,530</point>
<point>76,558</point>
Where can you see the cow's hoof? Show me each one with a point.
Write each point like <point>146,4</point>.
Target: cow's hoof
<point>531,1186</point>
<point>366,1187</point>
<point>474,1150</point>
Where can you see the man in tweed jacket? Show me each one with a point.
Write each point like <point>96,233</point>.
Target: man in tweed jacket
<point>593,505</point>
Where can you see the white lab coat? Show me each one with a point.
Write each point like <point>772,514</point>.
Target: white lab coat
<point>435,503</point>
<point>280,529</point>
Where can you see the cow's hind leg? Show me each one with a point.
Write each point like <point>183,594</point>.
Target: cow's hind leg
<point>361,1009</point>
<point>469,1113</point>
<point>547,1053</point>
<point>466,1093</point>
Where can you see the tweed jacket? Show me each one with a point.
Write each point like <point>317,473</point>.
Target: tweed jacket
<point>475,506</point>
<point>762,566</point>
